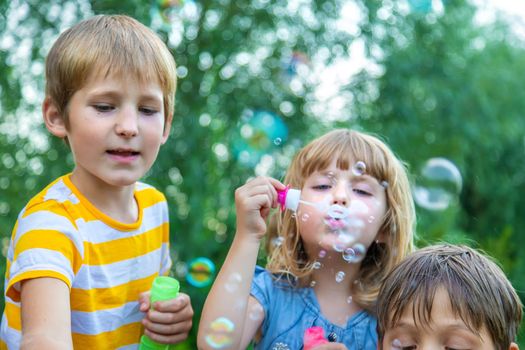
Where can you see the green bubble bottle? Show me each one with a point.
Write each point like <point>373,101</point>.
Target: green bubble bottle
<point>163,288</point>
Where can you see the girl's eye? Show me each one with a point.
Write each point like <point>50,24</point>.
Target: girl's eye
<point>321,187</point>
<point>410,347</point>
<point>103,108</point>
<point>362,192</point>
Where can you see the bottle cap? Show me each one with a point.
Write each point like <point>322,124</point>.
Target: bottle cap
<point>289,198</point>
<point>164,288</point>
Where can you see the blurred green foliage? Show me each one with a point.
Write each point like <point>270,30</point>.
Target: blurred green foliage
<point>435,84</point>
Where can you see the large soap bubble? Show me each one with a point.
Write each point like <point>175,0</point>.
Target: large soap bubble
<point>260,134</point>
<point>220,333</point>
<point>200,272</point>
<point>438,184</point>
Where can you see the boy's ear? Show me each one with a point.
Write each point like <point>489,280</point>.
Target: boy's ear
<point>513,346</point>
<point>53,119</point>
<point>167,128</point>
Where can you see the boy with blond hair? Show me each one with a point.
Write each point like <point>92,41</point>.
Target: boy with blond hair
<point>85,250</point>
<point>448,297</point>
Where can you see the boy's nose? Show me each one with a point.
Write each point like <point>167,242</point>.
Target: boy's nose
<point>126,124</point>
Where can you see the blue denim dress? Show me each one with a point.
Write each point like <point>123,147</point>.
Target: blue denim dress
<point>289,311</point>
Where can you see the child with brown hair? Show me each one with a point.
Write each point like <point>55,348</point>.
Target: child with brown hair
<point>448,297</point>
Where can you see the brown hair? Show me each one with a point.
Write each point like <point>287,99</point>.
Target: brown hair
<point>108,44</point>
<point>398,226</point>
<point>482,294</point>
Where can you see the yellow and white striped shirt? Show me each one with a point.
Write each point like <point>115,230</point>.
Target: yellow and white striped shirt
<point>105,263</point>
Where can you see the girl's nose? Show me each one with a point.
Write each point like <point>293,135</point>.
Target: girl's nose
<point>126,123</point>
<point>340,194</point>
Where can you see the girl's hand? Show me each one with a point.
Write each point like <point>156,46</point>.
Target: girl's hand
<point>169,321</point>
<point>253,202</point>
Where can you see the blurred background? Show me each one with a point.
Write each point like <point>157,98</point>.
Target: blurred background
<point>441,81</point>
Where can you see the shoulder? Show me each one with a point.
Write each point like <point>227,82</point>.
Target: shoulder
<point>51,206</point>
<point>148,195</point>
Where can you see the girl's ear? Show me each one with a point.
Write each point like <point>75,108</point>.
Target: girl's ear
<point>513,346</point>
<point>53,119</point>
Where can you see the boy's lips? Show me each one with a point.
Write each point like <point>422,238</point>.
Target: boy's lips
<point>123,152</point>
<point>123,155</point>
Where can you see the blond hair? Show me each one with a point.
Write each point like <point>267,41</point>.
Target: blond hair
<point>108,44</point>
<point>478,290</point>
<point>347,146</point>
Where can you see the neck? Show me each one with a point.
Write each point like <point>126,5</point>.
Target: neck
<point>333,283</point>
<point>118,202</point>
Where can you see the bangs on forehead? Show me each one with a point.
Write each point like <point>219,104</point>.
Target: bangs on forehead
<point>130,68</point>
<point>419,298</point>
<point>347,149</point>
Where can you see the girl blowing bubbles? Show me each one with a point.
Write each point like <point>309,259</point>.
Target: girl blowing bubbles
<point>354,223</point>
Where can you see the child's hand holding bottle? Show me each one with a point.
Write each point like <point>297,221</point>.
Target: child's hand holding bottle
<point>253,202</point>
<point>169,314</point>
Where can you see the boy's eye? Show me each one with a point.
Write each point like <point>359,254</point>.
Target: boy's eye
<point>147,110</point>
<point>103,107</point>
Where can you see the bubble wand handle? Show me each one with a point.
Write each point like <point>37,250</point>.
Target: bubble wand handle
<point>313,337</point>
<point>163,288</point>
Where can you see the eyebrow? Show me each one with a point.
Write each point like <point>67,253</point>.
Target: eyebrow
<point>117,94</point>
<point>361,178</point>
<point>448,326</point>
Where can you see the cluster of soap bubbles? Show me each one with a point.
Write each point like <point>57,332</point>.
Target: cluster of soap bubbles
<point>438,184</point>
<point>261,133</point>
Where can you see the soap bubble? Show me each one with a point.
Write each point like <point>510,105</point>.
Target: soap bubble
<point>220,333</point>
<point>396,344</point>
<point>355,253</point>
<point>262,133</point>
<point>438,185</point>
<point>359,168</point>
<point>296,63</point>
<point>256,312</point>
<point>233,282</point>
<point>277,241</point>
<point>167,11</point>
<point>339,277</point>
<point>200,272</point>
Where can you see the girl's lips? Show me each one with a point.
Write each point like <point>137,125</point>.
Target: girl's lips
<point>335,224</point>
